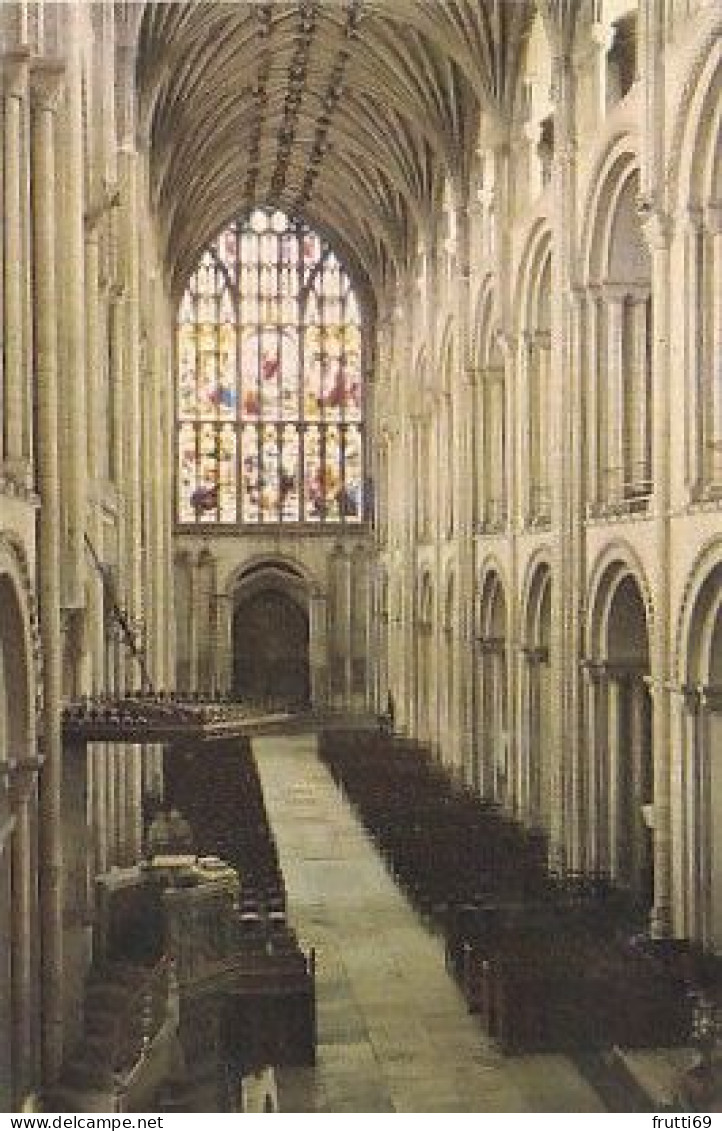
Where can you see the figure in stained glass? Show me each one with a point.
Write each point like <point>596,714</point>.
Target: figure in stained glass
<point>269,392</point>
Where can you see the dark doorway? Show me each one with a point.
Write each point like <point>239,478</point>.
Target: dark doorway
<point>270,649</point>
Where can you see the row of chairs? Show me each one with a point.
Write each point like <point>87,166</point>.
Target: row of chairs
<point>266,982</point>
<point>547,961</point>
<point>216,786</point>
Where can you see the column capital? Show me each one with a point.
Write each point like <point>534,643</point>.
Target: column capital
<point>107,199</point>
<point>713,216</point>
<point>656,226</point>
<point>14,67</point>
<point>638,293</point>
<point>691,217</point>
<point>602,35</point>
<point>614,293</point>
<point>47,84</point>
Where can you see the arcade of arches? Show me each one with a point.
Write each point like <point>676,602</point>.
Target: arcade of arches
<point>388,373</point>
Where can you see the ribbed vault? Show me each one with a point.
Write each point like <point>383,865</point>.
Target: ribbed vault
<point>347,112</point>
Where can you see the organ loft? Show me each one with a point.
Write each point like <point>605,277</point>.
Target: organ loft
<point>360,555</point>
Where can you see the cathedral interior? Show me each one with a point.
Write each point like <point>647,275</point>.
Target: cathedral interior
<point>361,555</point>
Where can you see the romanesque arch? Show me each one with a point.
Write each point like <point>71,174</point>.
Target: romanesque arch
<point>698,739</point>
<point>534,369</point>
<point>492,685</point>
<point>619,714</point>
<point>18,906</point>
<point>270,635</point>
<point>535,794</point>
<point>616,268</point>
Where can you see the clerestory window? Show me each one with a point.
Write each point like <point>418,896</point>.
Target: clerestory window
<point>269,381</point>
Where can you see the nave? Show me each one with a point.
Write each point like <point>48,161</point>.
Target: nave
<point>394,1034</point>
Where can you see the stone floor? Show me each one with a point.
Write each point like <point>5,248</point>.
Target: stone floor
<point>394,1033</point>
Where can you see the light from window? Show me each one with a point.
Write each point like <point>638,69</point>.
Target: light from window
<point>269,389</point>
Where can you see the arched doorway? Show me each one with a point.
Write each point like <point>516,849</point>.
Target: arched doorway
<point>622,763</point>
<point>271,649</point>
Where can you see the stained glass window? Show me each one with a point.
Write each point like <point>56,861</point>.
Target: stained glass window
<point>269,390</point>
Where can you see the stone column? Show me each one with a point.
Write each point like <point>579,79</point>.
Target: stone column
<point>713,224</point>
<point>74,446</point>
<point>602,34</point>
<point>592,397</point>
<point>613,755</point>
<point>15,78</point>
<point>695,844</point>
<point>317,648</point>
<point>22,946</point>
<point>343,629</point>
<point>132,481</point>
<point>543,367</point>
<point>538,756</point>
<point>193,627</point>
<point>224,643</point>
<point>46,89</point>
<point>657,231</point>
<point>122,759</point>
<point>680,757</point>
<point>589,805</point>
<point>524,795</point>
<point>613,488</point>
<point>157,486</point>
<point>497,448</point>
<point>638,472</point>
<point>168,512</point>
<point>485,785</point>
<point>691,386</point>
<point>524,424</point>
<point>638,753</point>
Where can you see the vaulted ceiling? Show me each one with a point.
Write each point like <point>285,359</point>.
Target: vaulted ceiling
<point>347,112</point>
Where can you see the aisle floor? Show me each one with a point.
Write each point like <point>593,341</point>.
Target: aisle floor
<point>394,1032</point>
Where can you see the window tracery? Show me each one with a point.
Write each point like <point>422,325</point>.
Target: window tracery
<point>270,391</point>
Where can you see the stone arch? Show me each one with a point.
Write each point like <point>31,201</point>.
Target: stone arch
<point>18,673</point>
<point>295,572</point>
<point>20,642</point>
<point>271,634</point>
<point>615,163</point>
<point>492,659</point>
<point>691,655</point>
<point>483,343</point>
<point>617,274</point>
<point>695,146</point>
<point>697,187</point>
<point>699,663</point>
<point>620,713</point>
<point>534,327</point>
<point>618,560</point>
<point>490,414</point>
<point>535,755</point>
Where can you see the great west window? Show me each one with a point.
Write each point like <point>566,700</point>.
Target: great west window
<point>269,389</point>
